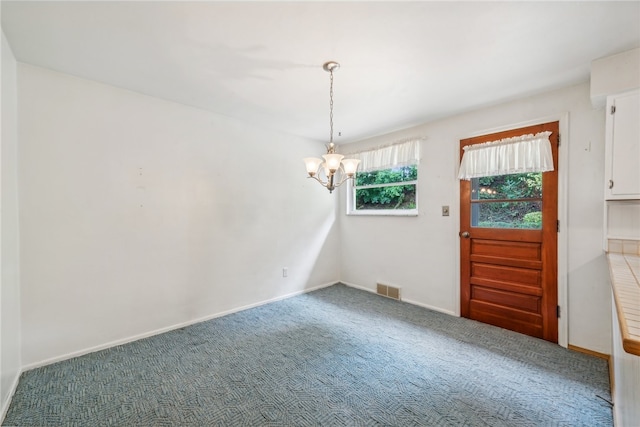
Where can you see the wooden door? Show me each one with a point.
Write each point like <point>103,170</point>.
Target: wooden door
<point>509,272</point>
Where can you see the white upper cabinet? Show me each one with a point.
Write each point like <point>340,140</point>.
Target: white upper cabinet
<point>622,148</point>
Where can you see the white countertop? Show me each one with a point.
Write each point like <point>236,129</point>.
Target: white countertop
<point>625,280</point>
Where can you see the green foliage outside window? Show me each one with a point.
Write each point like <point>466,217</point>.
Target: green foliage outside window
<point>515,213</point>
<point>516,186</point>
<point>533,219</point>
<point>378,195</point>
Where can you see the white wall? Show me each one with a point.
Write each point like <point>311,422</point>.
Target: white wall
<point>138,214</point>
<point>420,254</point>
<point>9,259</point>
<point>614,74</point>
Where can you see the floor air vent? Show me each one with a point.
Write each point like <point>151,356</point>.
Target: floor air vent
<point>388,291</point>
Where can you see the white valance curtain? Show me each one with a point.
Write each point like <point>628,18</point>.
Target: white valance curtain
<point>403,153</point>
<point>520,154</point>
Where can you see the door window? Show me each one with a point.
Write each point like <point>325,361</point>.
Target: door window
<point>507,201</point>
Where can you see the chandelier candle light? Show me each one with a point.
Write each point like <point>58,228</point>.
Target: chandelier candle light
<point>335,167</point>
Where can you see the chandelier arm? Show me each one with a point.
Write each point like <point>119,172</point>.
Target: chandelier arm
<point>330,183</point>
<point>342,181</point>
<point>324,184</point>
<point>343,177</point>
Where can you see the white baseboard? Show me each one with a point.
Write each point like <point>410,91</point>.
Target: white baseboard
<point>362,288</point>
<point>431,307</point>
<point>7,402</point>
<point>419,304</point>
<point>166,329</point>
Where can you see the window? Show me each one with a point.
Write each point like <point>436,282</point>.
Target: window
<point>507,201</point>
<point>506,180</point>
<point>387,189</point>
<point>387,181</point>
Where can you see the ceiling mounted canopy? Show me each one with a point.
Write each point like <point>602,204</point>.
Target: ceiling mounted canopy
<point>335,169</point>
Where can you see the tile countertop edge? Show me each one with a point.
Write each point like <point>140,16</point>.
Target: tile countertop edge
<point>625,272</point>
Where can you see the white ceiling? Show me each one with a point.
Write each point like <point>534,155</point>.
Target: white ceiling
<point>402,63</point>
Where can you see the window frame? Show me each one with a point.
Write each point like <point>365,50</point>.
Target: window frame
<point>477,203</point>
<point>351,198</point>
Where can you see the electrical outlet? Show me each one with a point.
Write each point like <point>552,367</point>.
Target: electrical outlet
<point>285,272</point>
<point>445,211</point>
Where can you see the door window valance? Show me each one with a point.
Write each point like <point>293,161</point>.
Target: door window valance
<point>520,154</point>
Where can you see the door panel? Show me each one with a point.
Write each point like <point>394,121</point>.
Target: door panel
<point>509,275</point>
<point>505,274</point>
<point>515,250</point>
<point>483,308</point>
<point>515,321</point>
<point>507,286</point>
<point>517,300</point>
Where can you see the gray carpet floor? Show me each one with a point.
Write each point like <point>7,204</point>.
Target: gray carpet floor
<point>336,356</point>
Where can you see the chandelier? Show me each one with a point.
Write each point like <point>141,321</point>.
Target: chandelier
<point>335,169</point>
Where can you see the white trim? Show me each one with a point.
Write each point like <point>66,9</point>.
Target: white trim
<point>7,402</point>
<point>362,288</point>
<point>456,255</point>
<point>386,184</point>
<point>621,237</point>
<point>168,329</point>
<point>383,212</point>
<point>563,199</point>
<point>416,303</point>
<point>563,235</point>
<point>431,307</point>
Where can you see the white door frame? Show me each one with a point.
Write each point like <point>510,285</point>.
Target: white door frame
<point>563,240</point>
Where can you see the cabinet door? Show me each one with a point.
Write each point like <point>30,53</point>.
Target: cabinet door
<point>622,167</point>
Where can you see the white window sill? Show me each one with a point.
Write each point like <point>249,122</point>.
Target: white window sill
<point>372,212</point>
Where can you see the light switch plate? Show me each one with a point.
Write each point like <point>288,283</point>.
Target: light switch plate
<point>445,211</point>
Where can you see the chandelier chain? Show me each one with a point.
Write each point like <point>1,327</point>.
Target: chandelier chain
<point>335,168</point>
<point>331,107</point>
